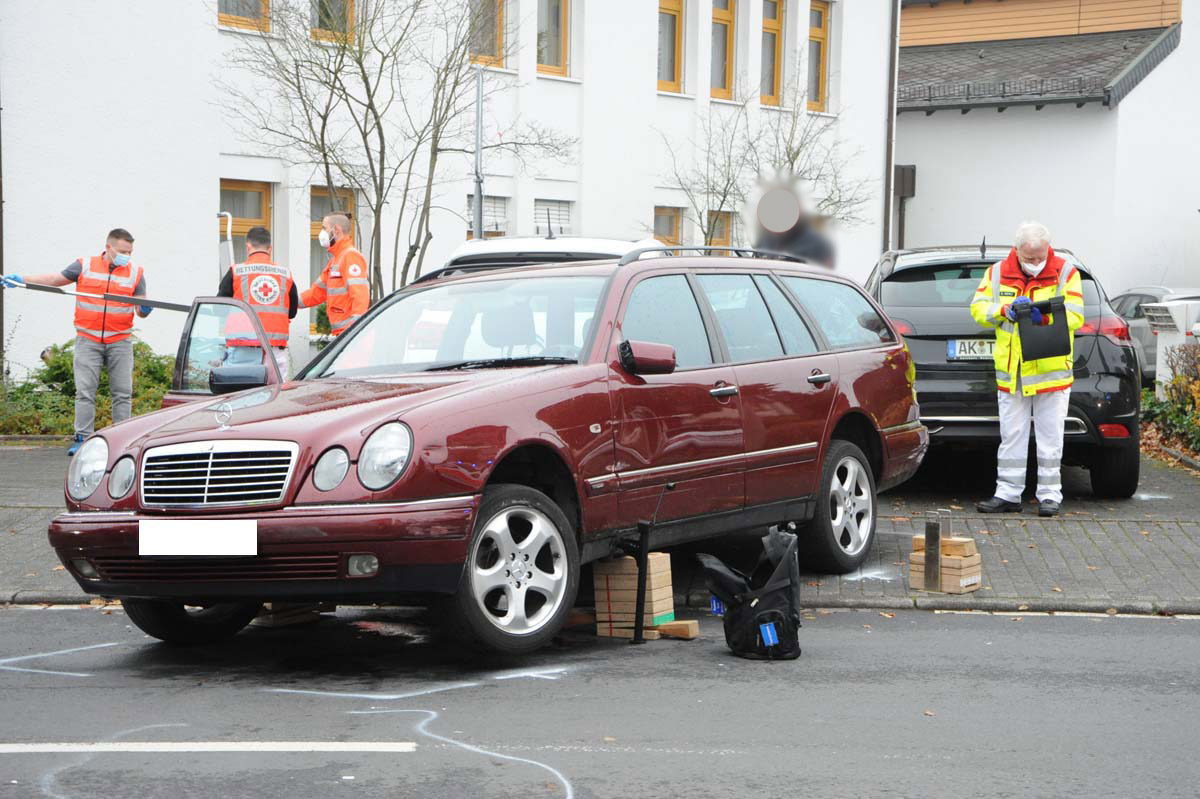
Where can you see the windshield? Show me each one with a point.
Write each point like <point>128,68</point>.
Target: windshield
<point>950,285</point>
<point>519,321</point>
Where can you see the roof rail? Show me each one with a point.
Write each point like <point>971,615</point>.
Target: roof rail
<point>740,252</point>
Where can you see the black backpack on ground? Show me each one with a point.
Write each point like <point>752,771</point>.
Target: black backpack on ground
<point>762,612</point>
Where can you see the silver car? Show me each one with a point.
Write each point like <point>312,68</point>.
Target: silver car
<point>1129,307</point>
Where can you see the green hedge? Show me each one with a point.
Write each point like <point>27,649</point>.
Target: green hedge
<point>45,404</point>
<point>1178,415</point>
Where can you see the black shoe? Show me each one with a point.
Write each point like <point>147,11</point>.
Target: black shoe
<point>997,505</point>
<point>1047,507</point>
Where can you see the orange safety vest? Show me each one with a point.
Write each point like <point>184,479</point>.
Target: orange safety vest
<point>99,320</point>
<point>265,287</point>
<point>344,284</point>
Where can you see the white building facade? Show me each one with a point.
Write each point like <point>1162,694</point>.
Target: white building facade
<point>112,117</point>
<point>1110,166</point>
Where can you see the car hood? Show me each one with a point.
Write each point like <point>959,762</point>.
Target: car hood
<point>304,409</point>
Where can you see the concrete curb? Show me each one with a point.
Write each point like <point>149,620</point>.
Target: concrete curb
<point>41,597</point>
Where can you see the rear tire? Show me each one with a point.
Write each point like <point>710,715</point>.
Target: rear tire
<point>843,529</point>
<point>175,623</point>
<point>1115,471</point>
<point>521,576</point>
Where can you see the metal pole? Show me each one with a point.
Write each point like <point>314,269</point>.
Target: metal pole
<point>933,556</point>
<point>477,220</point>
<point>3,365</point>
<point>228,217</point>
<point>889,158</point>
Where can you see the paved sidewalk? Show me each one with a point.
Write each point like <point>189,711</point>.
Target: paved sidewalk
<point>1135,556</point>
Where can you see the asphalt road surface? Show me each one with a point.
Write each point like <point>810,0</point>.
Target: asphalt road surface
<point>367,704</point>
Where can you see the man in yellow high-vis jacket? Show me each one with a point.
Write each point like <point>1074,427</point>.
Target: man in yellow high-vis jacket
<point>1035,390</point>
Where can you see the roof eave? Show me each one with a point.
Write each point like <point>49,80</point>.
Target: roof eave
<point>930,108</point>
<point>1127,79</point>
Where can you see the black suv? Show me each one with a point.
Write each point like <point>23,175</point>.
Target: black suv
<point>927,293</point>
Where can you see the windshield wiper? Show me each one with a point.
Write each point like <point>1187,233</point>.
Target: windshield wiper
<point>484,363</point>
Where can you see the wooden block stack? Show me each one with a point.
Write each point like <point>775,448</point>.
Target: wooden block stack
<point>615,583</point>
<point>962,570</point>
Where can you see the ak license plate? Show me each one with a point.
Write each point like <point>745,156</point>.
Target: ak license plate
<point>970,349</point>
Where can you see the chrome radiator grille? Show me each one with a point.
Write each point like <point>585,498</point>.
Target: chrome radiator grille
<point>206,474</point>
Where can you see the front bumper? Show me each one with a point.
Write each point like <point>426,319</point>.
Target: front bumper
<point>302,553</point>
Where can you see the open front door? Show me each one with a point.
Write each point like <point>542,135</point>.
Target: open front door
<point>223,349</point>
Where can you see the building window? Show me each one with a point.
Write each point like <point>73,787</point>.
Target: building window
<point>250,204</point>
<point>720,225</point>
<point>552,35</point>
<point>332,20</point>
<point>495,216</point>
<point>487,32</point>
<point>250,14</point>
<point>552,216</point>
<point>772,51</point>
<point>818,56</point>
<point>722,49</point>
<point>667,224</point>
<point>670,45</point>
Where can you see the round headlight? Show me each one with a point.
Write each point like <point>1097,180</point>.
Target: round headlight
<point>120,480</point>
<point>384,456</point>
<point>87,468</point>
<point>330,469</point>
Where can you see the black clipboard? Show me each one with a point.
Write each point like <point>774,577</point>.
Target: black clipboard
<point>1043,341</point>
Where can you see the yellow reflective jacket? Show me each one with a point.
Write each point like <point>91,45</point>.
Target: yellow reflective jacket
<point>1004,282</point>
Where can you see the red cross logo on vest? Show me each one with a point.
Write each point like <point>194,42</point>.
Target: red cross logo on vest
<point>264,289</point>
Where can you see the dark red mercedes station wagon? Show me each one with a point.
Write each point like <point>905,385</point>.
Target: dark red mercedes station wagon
<point>476,438</point>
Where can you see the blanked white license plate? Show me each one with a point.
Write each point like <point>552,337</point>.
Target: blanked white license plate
<point>198,537</point>
<point>970,349</point>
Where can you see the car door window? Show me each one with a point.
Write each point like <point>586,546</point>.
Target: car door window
<point>743,317</point>
<point>841,311</point>
<point>663,310</point>
<point>1124,305</point>
<point>797,340</point>
<point>220,335</point>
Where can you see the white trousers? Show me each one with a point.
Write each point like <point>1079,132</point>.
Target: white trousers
<point>1048,412</point>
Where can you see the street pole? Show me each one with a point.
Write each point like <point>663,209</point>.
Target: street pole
<point>477,220</point>
<point>889,156</point>
<point>3,365</point>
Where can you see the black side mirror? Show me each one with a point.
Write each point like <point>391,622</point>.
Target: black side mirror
<point>228,379</point>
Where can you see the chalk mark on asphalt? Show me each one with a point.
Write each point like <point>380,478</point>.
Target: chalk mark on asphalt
<point>431,716</point>
<point>379,697</point>
<point>49,781</point>
<point>5,661</point>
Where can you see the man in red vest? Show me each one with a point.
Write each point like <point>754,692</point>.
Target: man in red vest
<point>269,291</point>
<point>343,285</point>
<point>102,327</point>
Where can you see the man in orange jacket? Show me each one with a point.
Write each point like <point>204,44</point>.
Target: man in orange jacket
<point>343,284</point>
<point>102,327</point>
<point>269,290</point>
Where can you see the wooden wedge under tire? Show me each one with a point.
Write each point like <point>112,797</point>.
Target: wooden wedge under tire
<point>521,576</point>
<point>840,536</point>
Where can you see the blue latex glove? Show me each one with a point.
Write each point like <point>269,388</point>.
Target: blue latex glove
<point>1035,316</point>
<point>145,309</point>
<point>11,281</point>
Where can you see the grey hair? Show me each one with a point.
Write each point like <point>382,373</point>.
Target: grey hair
<point>1031,233</point>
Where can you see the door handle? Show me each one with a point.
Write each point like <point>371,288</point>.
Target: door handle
<point>819,378</point>
<point>723,391</point>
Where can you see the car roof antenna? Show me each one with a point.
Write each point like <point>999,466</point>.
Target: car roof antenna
<point>549,227</point>
<point>983,249</point>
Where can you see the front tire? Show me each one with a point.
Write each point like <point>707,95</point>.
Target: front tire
<point>521,575</point>
<point>177,623</point>
<point>843,529</point>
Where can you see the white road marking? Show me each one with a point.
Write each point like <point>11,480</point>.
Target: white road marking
<point>5,661</point>
<point>535,674</point>
<point>173,747</point>
<point>381,697</point>
<point>431,715</point>
<point>874,574</point>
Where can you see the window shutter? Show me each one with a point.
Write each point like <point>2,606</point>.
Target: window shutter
<point>556,213</point>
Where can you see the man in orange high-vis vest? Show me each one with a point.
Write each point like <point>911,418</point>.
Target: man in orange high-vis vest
<point>102,328</point>
<point>270,292</point>
<point>343,284</point>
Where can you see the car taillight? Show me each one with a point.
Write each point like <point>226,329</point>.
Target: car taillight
<point>1111,327</point>
<point>1113,430</point>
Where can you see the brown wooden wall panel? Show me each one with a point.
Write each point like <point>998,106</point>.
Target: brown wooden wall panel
<point>987,20</point>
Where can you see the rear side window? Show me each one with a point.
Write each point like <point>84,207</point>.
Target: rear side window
<point>841,311</point>
<point>743,317</point>
<point>663,310</point>
<point>797,340</point>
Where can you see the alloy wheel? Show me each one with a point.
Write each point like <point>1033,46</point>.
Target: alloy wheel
<point>518,570</point>
<point>851,505</point>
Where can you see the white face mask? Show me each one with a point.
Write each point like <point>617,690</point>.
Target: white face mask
<point>325,239</point>
<point>1033,270</point>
